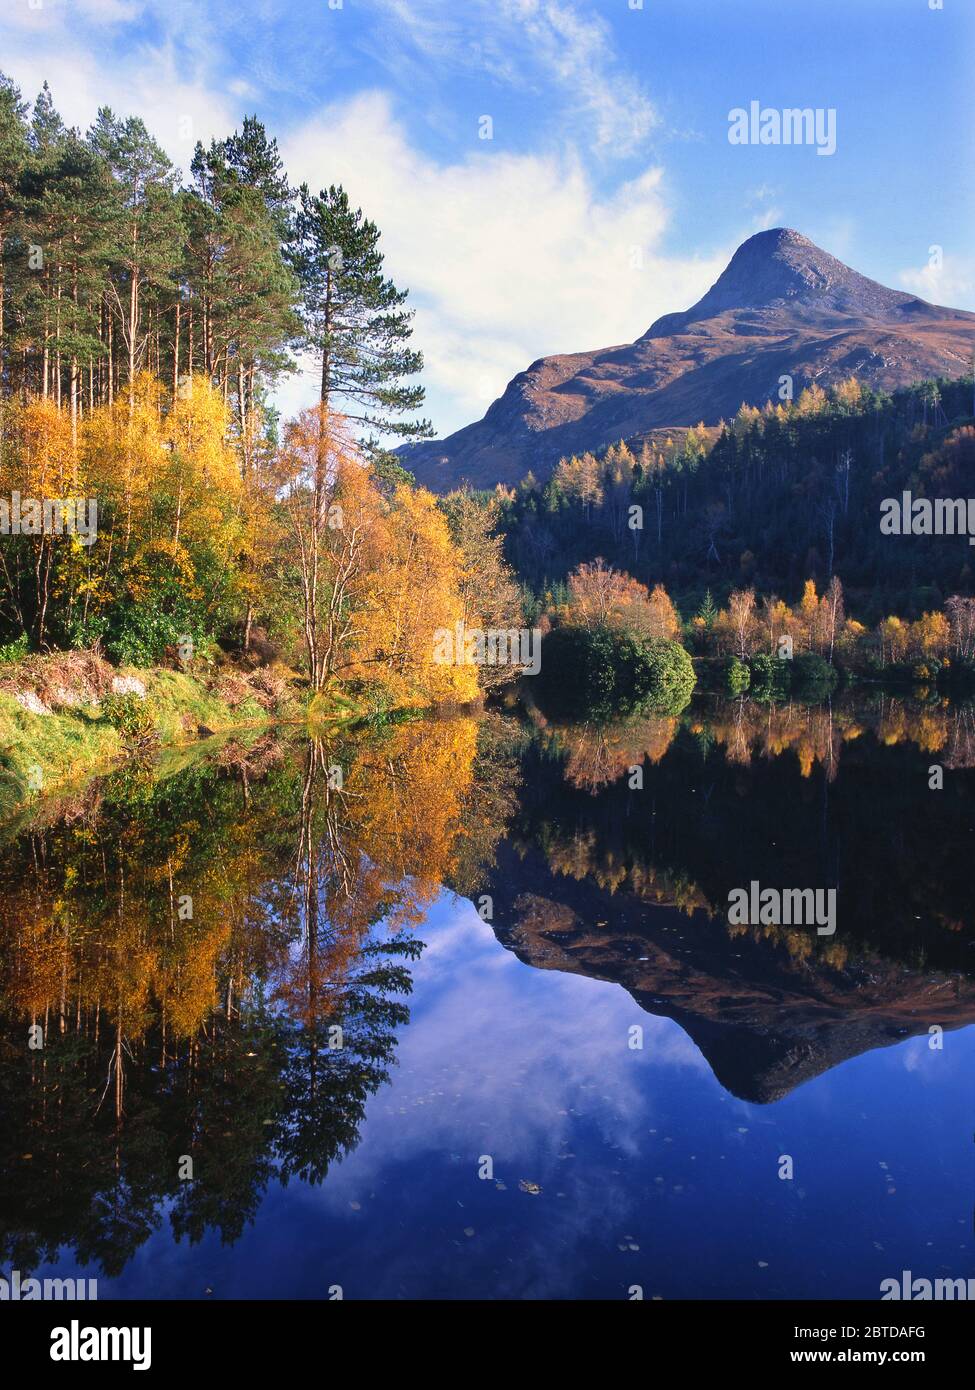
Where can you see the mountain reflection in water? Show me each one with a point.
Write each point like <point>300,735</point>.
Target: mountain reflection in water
<point>221,950</point>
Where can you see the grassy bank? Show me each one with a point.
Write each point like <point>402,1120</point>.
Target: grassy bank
<point>64,718</point>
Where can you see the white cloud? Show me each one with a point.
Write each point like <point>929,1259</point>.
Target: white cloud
<point>176,101</point>
<point>576,51</point>
<point>108,11</point>
<point>171,82</point>
<point>947,280</point>
<point>41,16</point>
<point>768,213</point>
<point>508,257</point>
<point>506,1057</point>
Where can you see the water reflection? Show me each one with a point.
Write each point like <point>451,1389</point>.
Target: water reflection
<point>221,956</point>
<point>215,964</point>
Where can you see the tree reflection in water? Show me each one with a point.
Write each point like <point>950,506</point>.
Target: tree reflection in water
<point>219,955</point>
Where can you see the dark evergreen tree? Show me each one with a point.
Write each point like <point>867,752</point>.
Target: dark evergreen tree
<point>13,157</point>
<point>353,316</point>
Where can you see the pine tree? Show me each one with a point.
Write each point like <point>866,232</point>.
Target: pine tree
<point>254,159</point>
<point>707,611</point>
<point>148,222</point>
<point>238,278</point>
<point>69,196</point>
<point>42,303</point>
<point>354,318</point>
<point>47,129</point>
<point>13,157</point>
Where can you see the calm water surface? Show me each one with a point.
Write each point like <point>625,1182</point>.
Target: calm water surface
<point>492,915</point>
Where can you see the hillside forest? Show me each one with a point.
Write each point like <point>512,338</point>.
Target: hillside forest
<point>147,318</point>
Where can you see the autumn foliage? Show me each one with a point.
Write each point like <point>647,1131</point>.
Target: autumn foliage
<point>196,539</point>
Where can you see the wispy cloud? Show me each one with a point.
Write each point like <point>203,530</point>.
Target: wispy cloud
<point>108,11</point>
<point>168,80</point>
<point>511,250</point>
<point>550,46</point>
<point>50,15</point>
<point>576,50</point>
<point>767,213</point>
<point>531,1023</point>
<point>508,257</point>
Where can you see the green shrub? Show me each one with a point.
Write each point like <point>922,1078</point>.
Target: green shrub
<point>812,677</point>
<point>605,672</point>
<point>577,670</point>
<point>14,651</point>
<point>141,633</point>
<point>737,677</point>
<point>84,633</point>
<point>659,674</point>
<point>771,678</point>
<point>128,714</point>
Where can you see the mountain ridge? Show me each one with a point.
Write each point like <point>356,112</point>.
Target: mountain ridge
<point>782,307</point>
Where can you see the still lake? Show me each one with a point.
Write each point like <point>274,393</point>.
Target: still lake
<point>453,1009</point>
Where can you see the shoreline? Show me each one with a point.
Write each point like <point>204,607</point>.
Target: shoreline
<point>48,748</point>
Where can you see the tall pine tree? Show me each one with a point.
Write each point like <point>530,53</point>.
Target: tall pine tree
<point>13,157</point>
<point>148,224</point>
<point>354,318</point>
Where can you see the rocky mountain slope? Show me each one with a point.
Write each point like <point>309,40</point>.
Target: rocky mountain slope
<point>781,307</point>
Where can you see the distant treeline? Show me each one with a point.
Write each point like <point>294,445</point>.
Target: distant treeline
<point>787,493</point>
<point>613,644</point>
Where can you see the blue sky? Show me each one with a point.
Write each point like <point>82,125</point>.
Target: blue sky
<point>609,192</point>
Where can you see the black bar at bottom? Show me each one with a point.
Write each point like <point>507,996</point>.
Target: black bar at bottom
<point>465,1337</point>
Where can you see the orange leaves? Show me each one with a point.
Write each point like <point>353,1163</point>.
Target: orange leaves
<point>122,453</point>
<point>378,578</point>
<point>165,475</point>
<point>410,804</point>
<point>600,754</point>
<point>159,560</point>
<point>415,589</point>
<point>736,627</point>
<point>582,478</point>
<point>930,636</point>
<point>848,393</point>
<point>316,449</point>
<point>812,401</point>
<point>185,981</point>
<point>602,596</point>
<point>200,475</point>
<point>815,624</point>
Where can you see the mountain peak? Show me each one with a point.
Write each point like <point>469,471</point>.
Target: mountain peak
<point>781,268</point>
<point>782,307</point>
<point>774,237</point>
